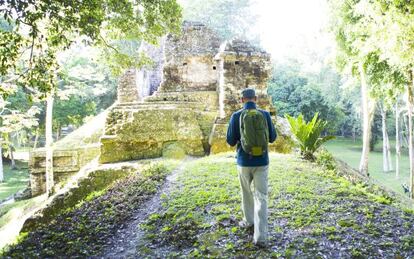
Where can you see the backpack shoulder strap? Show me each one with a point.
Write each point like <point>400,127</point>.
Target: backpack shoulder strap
<point>242,114</point>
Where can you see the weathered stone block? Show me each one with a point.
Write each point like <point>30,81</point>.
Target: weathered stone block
<point>217,139</point>
<point>65,164</point>
<point>173,150</point>
<point>142,134</point>
<point>206,123</point>
<point>189,63</point>
<point>127,87</point>
<point>240,66</point>
<point>208,100</point>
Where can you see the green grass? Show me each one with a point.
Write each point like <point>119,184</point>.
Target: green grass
<point>312,212</point>
<point>14,180</point>
<point>350,152</point>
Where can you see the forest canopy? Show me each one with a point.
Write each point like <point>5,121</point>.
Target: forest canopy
<point>34,32</point>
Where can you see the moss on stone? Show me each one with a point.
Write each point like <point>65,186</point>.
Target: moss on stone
<point>217,139</point>
<point>206,122</point>
<point>173,150</point>
<point>143,133</point>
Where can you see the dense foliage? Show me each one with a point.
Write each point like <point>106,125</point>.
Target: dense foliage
<point>374,46</point>
<point>295,91</point>
<point>43,28</point>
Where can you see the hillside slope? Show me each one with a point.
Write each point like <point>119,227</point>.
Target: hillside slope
<point>312,212</point>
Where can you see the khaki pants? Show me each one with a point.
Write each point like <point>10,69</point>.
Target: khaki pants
<point>254,198</point>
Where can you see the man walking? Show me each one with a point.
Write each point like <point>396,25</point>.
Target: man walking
<point>252,129</point>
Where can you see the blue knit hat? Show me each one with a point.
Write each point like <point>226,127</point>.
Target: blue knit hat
<point>249,93</point>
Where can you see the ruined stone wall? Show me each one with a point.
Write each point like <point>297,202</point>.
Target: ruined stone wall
<point>150,76</point>
<point>180,114</point>
<point>69,155</point>
<point>189,63</point>
<point>240,66</point>
<point>243,66</point>
<point>201,80</point>
<point>127,87</point>
<point>200,89</point>
<point>147,131</point>
<point>65,164</point>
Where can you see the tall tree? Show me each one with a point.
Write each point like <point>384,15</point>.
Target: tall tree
<point>368,110</point>
<point>386,147</point>
<point>391,30</point>
<point>360,40</point>
<point>352,57</point>
<point>49,142</point>
<point>397,139</point>
<point>2,104</point>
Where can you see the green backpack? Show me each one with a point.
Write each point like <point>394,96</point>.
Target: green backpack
<point>254,132</point>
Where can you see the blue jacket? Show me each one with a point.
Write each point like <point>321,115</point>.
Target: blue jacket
<point>233,138</point>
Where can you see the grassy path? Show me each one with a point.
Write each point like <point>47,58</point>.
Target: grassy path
<point>125,242</point>
<point>312,213</point>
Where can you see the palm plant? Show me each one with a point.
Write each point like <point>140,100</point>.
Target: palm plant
<point>308,134</point>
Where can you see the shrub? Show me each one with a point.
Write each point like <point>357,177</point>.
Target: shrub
<point>308,134</point>
<point>326,160</point>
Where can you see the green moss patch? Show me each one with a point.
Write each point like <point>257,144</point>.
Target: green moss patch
<point>173,151</point>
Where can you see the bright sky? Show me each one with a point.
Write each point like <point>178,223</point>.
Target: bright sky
<point>286,26</point>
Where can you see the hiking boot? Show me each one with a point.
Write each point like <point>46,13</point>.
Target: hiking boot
<point>245,224</point>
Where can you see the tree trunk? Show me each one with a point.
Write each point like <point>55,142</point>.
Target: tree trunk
<point>1,164</point>
<point>36,138</point>
<point>57,132</point>
<point>410,132</point>
<point>354,134</point>
<point>49,142</point>
<point>368,109</point>
<point>13,162</point>
<point>388,146</point>
<point>404,134</point>
<point>385,165</point>
<point>386,153</point>
<point>397,141</point>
